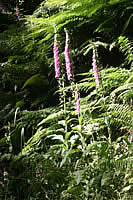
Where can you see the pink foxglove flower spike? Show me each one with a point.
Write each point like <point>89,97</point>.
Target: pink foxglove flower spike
<point>17,13</point>
<point>67,57</point>
<point>56,57</point>
<point>94,64</point>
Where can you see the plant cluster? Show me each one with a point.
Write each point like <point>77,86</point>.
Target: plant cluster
<point>66,101</point>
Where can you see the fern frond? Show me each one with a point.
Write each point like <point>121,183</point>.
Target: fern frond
<point>128,86</point>
<point>110,78</point>
<point>122,115</point>
<point>127,48</point>
<point>92,45</point>
<point>52,118</point>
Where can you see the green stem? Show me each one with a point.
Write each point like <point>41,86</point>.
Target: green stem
<point>64,101</point>
<point>80,132</point>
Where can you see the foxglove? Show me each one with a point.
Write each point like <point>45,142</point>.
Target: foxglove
<point>67,57</point>
<point>94,64</point>
<point>56,57</point>
<point>17,13</point>
<point>3,10</point>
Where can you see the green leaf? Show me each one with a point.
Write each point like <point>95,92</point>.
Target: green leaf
<point>79,176</point>
<point>51,118</point>
<point>80,119</point>
<point>105,179</point>
<point>56,137</point>
<point>131,181</point>
<point>77,128</point>
<point>36,80</point>
<point>127,188</point>
<point>65,157</point>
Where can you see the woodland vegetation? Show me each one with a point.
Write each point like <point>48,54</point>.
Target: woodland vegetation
<point>66,100</point>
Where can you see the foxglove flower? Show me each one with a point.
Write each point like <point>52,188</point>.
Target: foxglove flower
<point>77,100</point>
<point>56,57</point>
<point>17,13</point>
<point>37,175</point>
<point>67,57</point>
<point>3,10</point>
<point>78,106</point>
<point>94,64</point>
<point>5,173</point>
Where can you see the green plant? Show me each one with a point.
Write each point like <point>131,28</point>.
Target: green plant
<point>126,48</point>
<point>50,149</point>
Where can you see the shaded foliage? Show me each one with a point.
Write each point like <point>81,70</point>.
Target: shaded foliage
<point>48,150</point>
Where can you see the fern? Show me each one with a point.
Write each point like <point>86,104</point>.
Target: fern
<point>126,47</point>
<point>110,78</point>
<point>125,92</point>
<point>121,115</point>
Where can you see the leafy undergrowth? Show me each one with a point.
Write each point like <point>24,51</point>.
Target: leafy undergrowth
<point>70,156</point>
<point>48,150</point>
